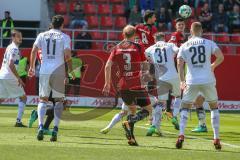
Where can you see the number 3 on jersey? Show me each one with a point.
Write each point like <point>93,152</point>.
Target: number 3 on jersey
<point>127,59</point>
<point>160,55</point>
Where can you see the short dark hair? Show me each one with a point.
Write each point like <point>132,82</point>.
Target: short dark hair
<point>8,12</point>
<point>148,14</point>
<point>14,32</point>
<point>57,21</point>
<point>179,20</point>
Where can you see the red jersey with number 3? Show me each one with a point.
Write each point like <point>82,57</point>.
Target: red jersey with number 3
<point>128,56</point>
<point>177,38</point>
<point>145,33</point>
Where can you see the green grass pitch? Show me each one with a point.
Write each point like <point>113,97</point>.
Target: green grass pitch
<point>81,140</point>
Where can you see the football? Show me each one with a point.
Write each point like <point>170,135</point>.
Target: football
<point>185,11</point>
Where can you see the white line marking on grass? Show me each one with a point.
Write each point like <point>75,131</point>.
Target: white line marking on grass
<point>193,137</point>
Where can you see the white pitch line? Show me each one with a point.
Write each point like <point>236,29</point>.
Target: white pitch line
<point>193,137</point>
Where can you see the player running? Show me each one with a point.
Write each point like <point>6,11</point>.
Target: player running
<point>163,53</point>
<point>196,53</point>
<point>11,85</point>
<point>130,58</point>
<point>55,46</point>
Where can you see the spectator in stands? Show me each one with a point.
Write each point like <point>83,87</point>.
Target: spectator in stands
<point>129,4</point>
<point>7,26</point>
<point>135,16</point>
<point>234,19</point>
<point>205,17</point>
<point>78,17</point>
<point>228,5</point>
<point>83,35</point>
<point>220,20</point>
<point>164,20</point>
<point>146,5</point>
<point>172,6</point>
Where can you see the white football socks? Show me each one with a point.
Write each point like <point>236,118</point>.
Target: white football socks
<point>215,120</point>
<point>41,113</point>
<point>157,115</point>
<point>115,120</point>
<point>176,106</point>
<point>21,106</point>
<point>58,109</point>
<point>183,120</point>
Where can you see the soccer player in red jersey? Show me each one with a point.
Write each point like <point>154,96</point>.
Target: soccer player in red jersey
<point>147,30</point>
<point>178,37</point>
<point>130,58</point>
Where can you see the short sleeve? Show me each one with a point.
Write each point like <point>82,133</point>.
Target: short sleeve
<point>67,42</point>
<point>181,54</point>
<point>214,47</point>
<point>13,54</point>
<point>37,42</point>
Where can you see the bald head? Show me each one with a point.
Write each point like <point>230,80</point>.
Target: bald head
<point>129,32</point>
<point>196,29</point>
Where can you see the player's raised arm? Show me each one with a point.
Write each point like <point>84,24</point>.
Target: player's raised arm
<point>219,58</point>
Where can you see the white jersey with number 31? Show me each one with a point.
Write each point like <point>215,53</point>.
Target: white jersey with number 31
<point>52,43</point>
<point>196,52</point>
<point>163,53</point>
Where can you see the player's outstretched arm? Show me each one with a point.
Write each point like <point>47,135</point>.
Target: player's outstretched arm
<point>31,71</point>
<point>219,59</point>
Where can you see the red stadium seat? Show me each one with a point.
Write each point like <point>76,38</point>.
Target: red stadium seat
<point>97,45</point>
<point>235,39</point>
<point>238,50</point>
<point>118,9</point>
<point>120,36</point>
<point>227,49</point>
<point>120,22</point>
<point>103,9</point>
<point>66,20</point>
<point>60,8</point>
<point>209,36</point>
<point>92,21</point>
<point>72,6</point>
<point>89,9</point>
<point>110,35</point>
<point>224,38</point>
<point>106,21</point>
<point>116,1</point>
<point>101,1</point>
<point>96,35</point>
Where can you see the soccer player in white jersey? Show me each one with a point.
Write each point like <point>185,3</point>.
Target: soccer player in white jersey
<point>163,54</point>
<point>11,85</point>
<point>55,46</point>
<point>196,53</point>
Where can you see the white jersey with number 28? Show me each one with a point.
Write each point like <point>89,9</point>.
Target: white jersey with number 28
<point>52,43</point>
<point>196,53</point>
<point>163,53</point>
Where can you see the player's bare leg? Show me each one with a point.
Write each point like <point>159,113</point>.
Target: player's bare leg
<point>183,122</point>
<point>21,106</point>
<point>200,114</point>
<point>215,120</point>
